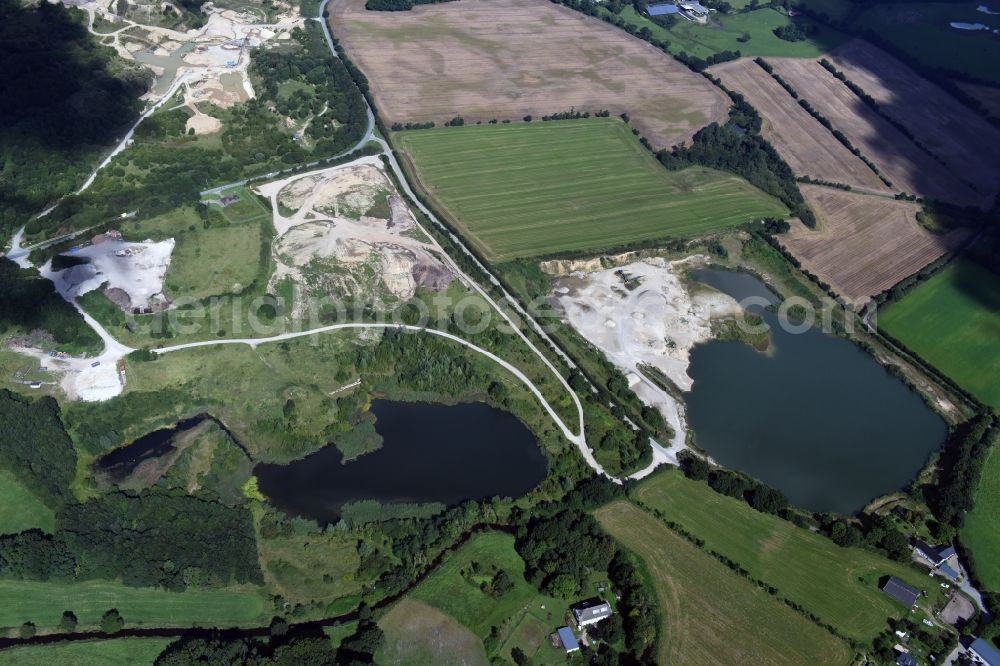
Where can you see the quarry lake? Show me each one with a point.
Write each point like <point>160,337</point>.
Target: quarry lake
<point>430,453</point>
<point>817,417</point>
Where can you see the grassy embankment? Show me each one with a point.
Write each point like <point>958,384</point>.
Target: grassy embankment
<point>840,585</point>
<point>951,321</point>
<point>528,189</point>
<point>117,652</point>
<point>709,615</point>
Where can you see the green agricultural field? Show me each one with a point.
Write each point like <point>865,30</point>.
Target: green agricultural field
<point>537,188</point>
<point>708,614</point>
<point>922,30</point>
<point>980,533</point>
<point>453,594</point>
<point>44,603</point>
<point>726,30</point>
<point>840,585</point>
<point>952,322</point>
<point>20,509</point>
<point>117,652</point>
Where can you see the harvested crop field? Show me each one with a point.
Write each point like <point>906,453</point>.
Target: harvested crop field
<point>539,188</point>
<point>909,168</point>
<point>988,96</point>
<point>798,137</point>
<point>505,59</point>
<point>964,140</point>
<point>863,244</point>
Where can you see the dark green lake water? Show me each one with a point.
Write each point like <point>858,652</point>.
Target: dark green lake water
<point>818,419</point>
<point>430,453</point>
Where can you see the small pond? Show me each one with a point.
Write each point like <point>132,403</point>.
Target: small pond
<point>816,417</point>
<point>430,453</point>
<point>118,464</point>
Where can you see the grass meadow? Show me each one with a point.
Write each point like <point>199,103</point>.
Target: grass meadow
<point>117,652</point>
<point>417,634</point>
<point>979,533</point>
<point>453,594</point>
<point>44,602</point>
<point>840,585</point>
<point>708,614</point>
<point>952,321</point>
<point>221,259</point>
<point>726,30</point>
<point>528,189</point>
<point>20,509</point>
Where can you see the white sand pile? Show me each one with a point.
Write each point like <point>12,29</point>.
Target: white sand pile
<point>137,269</point>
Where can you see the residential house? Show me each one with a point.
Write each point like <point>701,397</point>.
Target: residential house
<point>591,612</point>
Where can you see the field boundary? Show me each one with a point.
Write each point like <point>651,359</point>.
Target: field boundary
<point>738,569</point>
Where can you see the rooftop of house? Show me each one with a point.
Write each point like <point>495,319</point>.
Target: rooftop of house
<point>900,591</point>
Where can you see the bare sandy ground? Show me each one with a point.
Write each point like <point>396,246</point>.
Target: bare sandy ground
<point>863,245</point>
<point>208,63</point>
<point>137,269</point>
<point>505,59</point>
<point>641,313</point>
<point>331,243</point>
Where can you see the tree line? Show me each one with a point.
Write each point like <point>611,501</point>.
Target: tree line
<point>823,120</point>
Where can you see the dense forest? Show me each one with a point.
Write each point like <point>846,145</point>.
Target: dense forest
<point>961,466</point>
<point>159,539</point>
<point>29,302</point>
<point>64,99</point>
<point>34,446</point>
<point>153,539</point>
<point>285,647</point>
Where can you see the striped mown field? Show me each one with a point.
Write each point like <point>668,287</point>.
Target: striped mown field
<point>539,188</point>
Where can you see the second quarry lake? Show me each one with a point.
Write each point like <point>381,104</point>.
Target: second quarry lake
<point>817,418</point>
<point>430,453</point>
